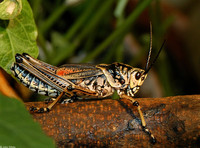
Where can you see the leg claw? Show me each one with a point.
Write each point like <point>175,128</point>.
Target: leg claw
<point>153,140</point>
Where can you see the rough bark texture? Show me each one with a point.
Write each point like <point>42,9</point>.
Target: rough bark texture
<point>174,121</point>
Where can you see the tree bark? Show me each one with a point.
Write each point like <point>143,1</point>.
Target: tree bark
<point>174,121</point>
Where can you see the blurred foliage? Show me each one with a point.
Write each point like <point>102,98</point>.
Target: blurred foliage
<point>84,30</point>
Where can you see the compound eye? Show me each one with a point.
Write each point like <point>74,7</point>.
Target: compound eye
<point>138,75</point>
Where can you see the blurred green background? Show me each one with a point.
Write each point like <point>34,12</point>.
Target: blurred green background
<point>85,31</point>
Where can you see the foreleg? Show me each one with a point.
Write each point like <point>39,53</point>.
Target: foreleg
<point>144,126</point>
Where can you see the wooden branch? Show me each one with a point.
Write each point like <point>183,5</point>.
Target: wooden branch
<point>174,121</point>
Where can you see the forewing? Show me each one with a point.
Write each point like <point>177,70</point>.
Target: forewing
<point>75,71</point>
<point>40,64</point>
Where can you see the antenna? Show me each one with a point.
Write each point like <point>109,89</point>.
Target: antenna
<point>150,48</point>
<point>147,70</point>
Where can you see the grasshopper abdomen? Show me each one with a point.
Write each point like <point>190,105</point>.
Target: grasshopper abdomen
<point>32,82</point>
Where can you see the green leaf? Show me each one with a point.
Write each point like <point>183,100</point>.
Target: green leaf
<point>17,127</point>
<point>17,35</point>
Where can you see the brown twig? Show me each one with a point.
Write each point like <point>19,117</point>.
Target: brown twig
<point>174,121</point>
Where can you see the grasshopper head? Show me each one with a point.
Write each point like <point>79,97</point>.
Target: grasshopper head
<point>137,75</point>
<point>137,78</point>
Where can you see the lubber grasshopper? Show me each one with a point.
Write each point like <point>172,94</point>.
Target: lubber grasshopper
<point>76,81</point>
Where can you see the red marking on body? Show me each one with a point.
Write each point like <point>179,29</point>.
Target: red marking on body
<point>63,72</point>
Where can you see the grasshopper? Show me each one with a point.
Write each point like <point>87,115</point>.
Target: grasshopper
<point>76,81</point>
